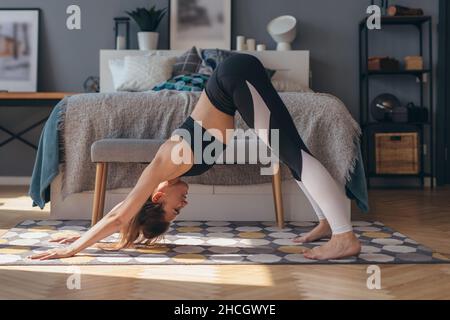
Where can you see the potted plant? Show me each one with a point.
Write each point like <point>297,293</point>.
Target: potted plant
<point>148,21</point>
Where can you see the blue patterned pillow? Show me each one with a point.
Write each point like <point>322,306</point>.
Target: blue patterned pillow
<point>184,82</point>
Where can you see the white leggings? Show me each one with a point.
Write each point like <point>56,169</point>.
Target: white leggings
<point>326,197</point>
<point>240,83</point>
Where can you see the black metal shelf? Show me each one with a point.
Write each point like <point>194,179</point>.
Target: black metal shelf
<point>369,125</point>
<point>412,20</point>
<point>372,124</point>
<point>415,73</point>
<point>399,175</point>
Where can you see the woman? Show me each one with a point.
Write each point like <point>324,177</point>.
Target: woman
<point>239,83</point>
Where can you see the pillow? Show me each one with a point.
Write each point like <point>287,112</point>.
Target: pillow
<point>213,57</point>
<point>188,62</point>
<point>116,66</point>
<point>205,69</point>
<point>289,86</point>
<point>185,82</point>
<point>117,69</point>
<point>142,73</point>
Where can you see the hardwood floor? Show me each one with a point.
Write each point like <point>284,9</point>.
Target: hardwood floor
<point>422,215</point>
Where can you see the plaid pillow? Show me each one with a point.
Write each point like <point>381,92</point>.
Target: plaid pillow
<point>184,82</point>
<point>188,62</point>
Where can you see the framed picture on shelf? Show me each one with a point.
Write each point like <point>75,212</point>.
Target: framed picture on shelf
<point>19,39</point>
<point>200,23</point>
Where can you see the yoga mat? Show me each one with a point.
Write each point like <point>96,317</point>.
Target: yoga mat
<point>214,242</point>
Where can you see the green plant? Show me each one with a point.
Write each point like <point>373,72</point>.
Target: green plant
<point>147,19</point>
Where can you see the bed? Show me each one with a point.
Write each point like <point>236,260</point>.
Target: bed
<point>213,200</point>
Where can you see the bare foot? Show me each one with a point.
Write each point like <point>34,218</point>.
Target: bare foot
<point>322,230</point>
<point>340,246</point>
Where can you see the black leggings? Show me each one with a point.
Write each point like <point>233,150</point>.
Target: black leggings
<point>240,83</point>
<point>232,87</point>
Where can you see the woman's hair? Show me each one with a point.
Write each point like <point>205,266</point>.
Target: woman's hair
<point>148,226</point>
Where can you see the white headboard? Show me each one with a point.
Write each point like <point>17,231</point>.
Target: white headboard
<point>290,65</point>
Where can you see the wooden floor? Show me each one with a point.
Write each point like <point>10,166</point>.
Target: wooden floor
<point>422,215</point>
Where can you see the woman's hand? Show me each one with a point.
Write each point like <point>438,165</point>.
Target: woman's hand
<point>66,239</point>
<point>57,253</point>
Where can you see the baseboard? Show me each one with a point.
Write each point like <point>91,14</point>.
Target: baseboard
<point>15,181</point>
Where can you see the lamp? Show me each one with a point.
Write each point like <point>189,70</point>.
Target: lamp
<point>122,32</point>
<point>283,31</point>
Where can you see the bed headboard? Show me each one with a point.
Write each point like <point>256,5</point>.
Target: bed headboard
<point>290,65</point>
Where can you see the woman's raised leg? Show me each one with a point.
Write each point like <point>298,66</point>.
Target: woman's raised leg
<point>244,78</point>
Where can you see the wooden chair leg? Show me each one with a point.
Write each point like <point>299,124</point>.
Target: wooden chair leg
<point>101,204</point>
<point>277,197</point>
<point>99,192</point>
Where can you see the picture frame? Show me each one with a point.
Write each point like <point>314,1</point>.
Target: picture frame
<point>200,23</point>
<point>19,49</point>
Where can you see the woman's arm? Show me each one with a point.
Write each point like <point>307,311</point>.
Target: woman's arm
<point>160,169</point>
<point>72,238</point>
<point>115,219</point>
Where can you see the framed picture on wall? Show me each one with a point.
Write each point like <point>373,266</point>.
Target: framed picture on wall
<point>200,23</point>
<point>19,35</point>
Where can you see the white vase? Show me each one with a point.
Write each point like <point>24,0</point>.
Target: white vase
<point>148,40</point>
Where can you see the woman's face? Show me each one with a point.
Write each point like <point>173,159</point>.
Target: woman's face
<point>172,194</point>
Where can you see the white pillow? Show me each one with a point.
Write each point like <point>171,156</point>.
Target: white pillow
<point>116,66</point>
<point>289,86</point>
<point>142,73</point>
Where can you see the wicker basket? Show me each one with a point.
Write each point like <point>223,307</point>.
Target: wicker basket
<point>413,63</point>
<point>397,153</point>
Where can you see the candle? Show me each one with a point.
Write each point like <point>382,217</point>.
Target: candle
<point>240,43</point>
<point>260,47</point>
<point>120,43</point>
<point>251,44</point>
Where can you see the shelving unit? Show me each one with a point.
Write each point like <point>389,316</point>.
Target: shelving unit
<point>425,81</point>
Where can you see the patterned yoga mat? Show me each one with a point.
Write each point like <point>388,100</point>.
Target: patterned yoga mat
<point>214,243</point>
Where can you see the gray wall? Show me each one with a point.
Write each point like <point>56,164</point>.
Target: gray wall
<point>328,28</point>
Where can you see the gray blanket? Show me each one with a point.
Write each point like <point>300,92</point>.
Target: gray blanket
<point>322,120</point>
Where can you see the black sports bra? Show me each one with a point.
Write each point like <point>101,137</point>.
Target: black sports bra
<point>198,168</point>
